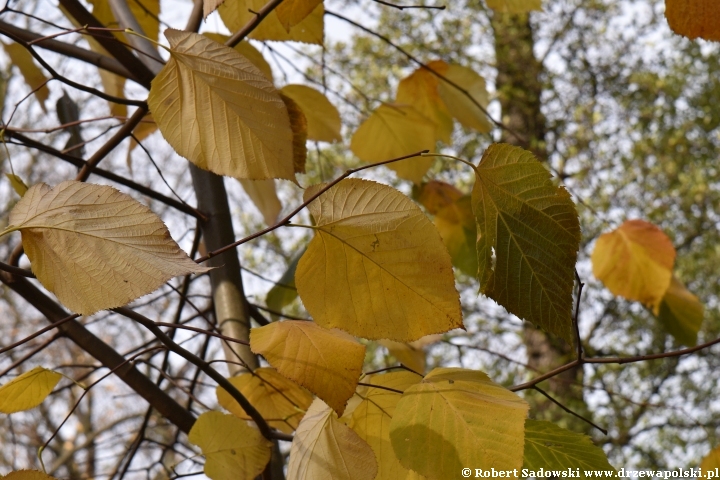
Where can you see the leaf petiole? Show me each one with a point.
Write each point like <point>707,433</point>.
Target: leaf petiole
<point>442,155</point>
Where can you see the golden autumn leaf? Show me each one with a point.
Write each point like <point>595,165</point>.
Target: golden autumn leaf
<point>17,184</point>
<point>94,247</point>
<point>27,390</point>
<point>711,460</point>
<point>34,77</point>
<point>532,228</point>
<point>210,6</point>
<point>420,90</point>
<point>326,449</point>
<point>233,449</point>
<point>323,118</point>
<point>681,313</point>
<point>393,131</point>
<point>216,109</point>
<point>435,195</point>
<point>514,6</point>
<point>635,261</point>
<point>27,475</point>
<point>412,354</point>
<point>237,13</point>
<point>694,18</point>
<point>462,418</point>
<point>292,12</point>
<point>279,401</point>
<point>299,127</point>
<point>377,267</point>
<point>462,107</point>
<point>247,50</point>
<point>372,415</point>
<point>264,195</point>
<point>326,362</point>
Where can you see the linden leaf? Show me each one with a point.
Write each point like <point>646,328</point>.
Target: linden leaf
<point>372,415</point>
<point>17,184</point>
<point>435,195</point>
<point>711,461</point>
<point>420,90</point>
<point>247,50</point>
<point>94,247</point>
<point>694,18</point>
<point>292,12</point>
<point>27,475</point>
<point>454,418</point>
<point>34,77</point>
<point>681,313</point>
<point>393,131</point>
<point>264,195</point>
<point>210,6</point>
<point>325,449</point>
<point>28,390</point>
<point>237,13</point>
<point>233,449</point>
<point>412,354</point>
<point>376,267</point>
<point>548,446</point>
<point>462,107</point>
<point>514,6</point>
<point>532,228</point>
<point>322,117</point>
<point>220,112</point>
<point>279,401</point>
<point>299,127</point>
<point>326,362</point>
<point>635,261</point>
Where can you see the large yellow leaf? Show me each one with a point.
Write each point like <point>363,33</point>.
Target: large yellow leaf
<point>292,12</point>
<point>694,18</point>
<point>711,460</point>
<point>681,313</point>
<point>325,449</point>
<point>32,74</point>
<point>280,401</point>
<point>264,195</point>
<point>94,247</point>
<point>371,419</point>
<point>322,116</point>
<point>247,50</point>
<point>326,362</point>
<point>220,112</point>
<point>27,475</point>
<point>420,90</point>
<point>377,267</point>
<point>635,261</point>
<point>393,131</point>
<point>456,418</point>
<point>514,6</point>
<point>458,103</point>
<point>532,228</point>
<point>28,390</point>
<point>237,13</point>
<point>233,449</point>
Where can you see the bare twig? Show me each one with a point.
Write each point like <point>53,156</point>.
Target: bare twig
<point>604,431</point>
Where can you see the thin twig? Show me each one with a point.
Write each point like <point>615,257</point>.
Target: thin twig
<point>381,387</point>
<point>569,411</point>
<point>576,325</point>
<point>407,7</point>
<point>39,332</point>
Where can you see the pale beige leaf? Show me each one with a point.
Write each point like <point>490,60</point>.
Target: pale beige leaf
<point>34,77</point>
<point>292,12</point>
<point>393,131</point>
<point>420,90</point>
<point>264,195</point>
<point>279,401</point>
<point>514,6</point>
<point>94,247</point>
<point>233,449</point>
<point>465,109</point>
<point>247,50</point>
<point>237,13</point>
<point>325,449</point>
<point>322,116</point>
<point>326,362</point>
<point>377,267</point>
<point>220,112</point>
<point>28,390</point>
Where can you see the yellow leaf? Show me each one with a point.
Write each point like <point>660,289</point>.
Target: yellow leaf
<point>27,475</point>
<point>280,401</point>
<point>237,13</point>
<point>292,12</point>
<point>371,419</point>
<point>694,18</point>
<point>393,131</point>
<point>17,184</point>
<point>460,106</point>
<point>325,449</point>
<point>326,362</point>
<point>455,418</point>
<point>711,460</point>
<point>94,247</point>
<point>32,74</point>
<point>322,117</point>
<point>210,6</point>
<point>233,449</point>
<point>514,6</point>
<point>220,112</point>
<point>377,267</point>
<point>635,261</point>
<point>420,90</point>
<point>532,228</point>
<point>411,354</point>
<point>435,196</point>
<point>299,127</point>
<point>247,50</point>
<point>28,390</point>
<point>264,196</point>
<point>681,313</point>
